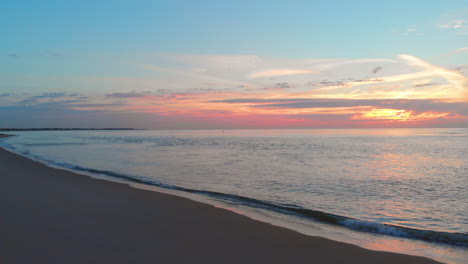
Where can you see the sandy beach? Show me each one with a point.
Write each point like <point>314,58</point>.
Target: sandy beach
<point>55,216</point>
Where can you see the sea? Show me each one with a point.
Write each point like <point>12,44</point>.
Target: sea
<point>398,190</point>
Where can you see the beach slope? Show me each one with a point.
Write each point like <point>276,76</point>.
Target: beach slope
<point>55,216</point>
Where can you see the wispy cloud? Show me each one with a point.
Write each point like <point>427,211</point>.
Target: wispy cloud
<point>50,96</point>
<point>419,105</point>
<point>279,72</point>
<point>461,50</point>
<point>453,52</point>
<point>455,24</point>
<point>458,25</point>
<point>255,91</point>
<point>455,78</point>
<point>129,95</point>
<point>195,74</point>
<point>55,95</point>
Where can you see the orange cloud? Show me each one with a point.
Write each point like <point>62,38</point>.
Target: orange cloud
<point>378,100</point>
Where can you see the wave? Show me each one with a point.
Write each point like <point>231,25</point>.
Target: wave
<point>456,239</point>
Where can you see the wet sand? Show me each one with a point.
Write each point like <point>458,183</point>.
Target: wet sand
<point>56,216</point>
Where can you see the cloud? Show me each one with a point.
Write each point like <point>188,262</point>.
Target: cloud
<point>279,72</point>
<point>461,50</point>
<point>279,86</point>
<point>331,83</point>
<point>450,84</point>
<point>323,66</point>
<point>128,95</point>
<point>60,103</point>
<point>424,82</point>
<point>28,101</point>
<point>376,69</point>
<point>54,95</point>
<point>457,51</point>
<point>420,105</point>
<point>231,71</point>
<point>95,106</point>
<point>455,24</point>
<point>335,105</point>
<point>458,26</point>
<point>197,75</point>
<point>454,77</point>
<point>77,103</point>
<point>244,100</point>
<point>51,98</point>
<point>324,102</point>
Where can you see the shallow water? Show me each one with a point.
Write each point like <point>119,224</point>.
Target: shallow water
<point>400,182</point>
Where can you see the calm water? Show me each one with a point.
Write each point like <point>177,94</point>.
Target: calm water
<point>401,182</point>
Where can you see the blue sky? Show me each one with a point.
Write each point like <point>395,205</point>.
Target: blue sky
<point>351,29</point>
<point>102,47</point>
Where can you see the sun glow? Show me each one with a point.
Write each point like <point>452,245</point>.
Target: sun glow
<point>395,114</point>
<point>398,115</point>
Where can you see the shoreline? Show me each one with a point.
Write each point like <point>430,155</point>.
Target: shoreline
<point>54,215</point>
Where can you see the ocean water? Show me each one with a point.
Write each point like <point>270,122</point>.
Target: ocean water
<point>404,185</point>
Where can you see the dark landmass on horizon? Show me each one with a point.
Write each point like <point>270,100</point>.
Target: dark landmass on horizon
<point>63,129</point>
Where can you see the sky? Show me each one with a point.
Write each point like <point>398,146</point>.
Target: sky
<point>233,64</point>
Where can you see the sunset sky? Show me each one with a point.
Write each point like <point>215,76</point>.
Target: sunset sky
<point>234,64</point>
